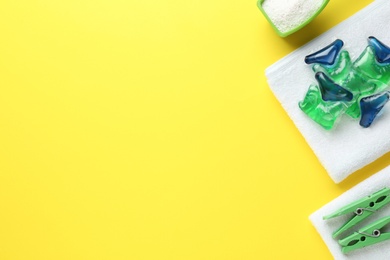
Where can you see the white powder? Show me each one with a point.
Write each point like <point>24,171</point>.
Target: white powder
<point>289,14</point>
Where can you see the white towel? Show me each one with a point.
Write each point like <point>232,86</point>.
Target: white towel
<point>380,251</point>
<point>348,147</point>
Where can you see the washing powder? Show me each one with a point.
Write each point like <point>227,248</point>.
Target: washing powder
<point>289,14</point>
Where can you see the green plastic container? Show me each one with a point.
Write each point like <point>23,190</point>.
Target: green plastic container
<point>293,30</point>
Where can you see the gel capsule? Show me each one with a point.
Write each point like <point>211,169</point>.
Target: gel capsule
<point>382,51</point>
<point>368,66</point>
<point>330,91</point>
<point>327,55</point>
<point>325,113</point>
<point>371,106</point>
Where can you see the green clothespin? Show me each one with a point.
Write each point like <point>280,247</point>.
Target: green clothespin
<point>362,209</point>
<point>366,236</point>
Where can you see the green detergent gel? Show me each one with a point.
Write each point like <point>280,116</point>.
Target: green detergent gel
<point>323,112</point>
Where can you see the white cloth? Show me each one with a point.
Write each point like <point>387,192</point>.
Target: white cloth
<point>380,251</point>
<point>348,147</point>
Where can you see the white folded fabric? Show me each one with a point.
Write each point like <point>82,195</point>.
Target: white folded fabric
<point>348,147</point>
<point>380,251</point>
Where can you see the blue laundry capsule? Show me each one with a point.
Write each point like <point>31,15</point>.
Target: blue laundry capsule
<point>330,91</point>
<point>382,51</point>
<point>327,55</point>
<point>371,106</point>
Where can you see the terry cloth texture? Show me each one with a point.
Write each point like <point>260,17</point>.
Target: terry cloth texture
<point>348,147</point>
<point>325,228</point>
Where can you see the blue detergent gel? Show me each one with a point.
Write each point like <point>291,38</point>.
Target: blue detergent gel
<point>330,91</point>
<point>371,106</point>
<point>382,51</point>
<point>327,55</point>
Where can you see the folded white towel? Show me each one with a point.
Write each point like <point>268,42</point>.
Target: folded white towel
<point>348,147</point>
<point>379,251</point>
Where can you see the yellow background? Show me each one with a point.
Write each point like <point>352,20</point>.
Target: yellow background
<point>146,130</point>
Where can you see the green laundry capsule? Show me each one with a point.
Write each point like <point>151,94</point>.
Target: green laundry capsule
<point>325,113</point>
<point>368,66</point>
<point>343,73</point>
